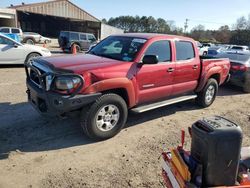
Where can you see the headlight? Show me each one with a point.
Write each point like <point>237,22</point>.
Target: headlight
<point>67,83</point>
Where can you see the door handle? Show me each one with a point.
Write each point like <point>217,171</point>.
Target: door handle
<point>170,70</point>
<point>195,67</point>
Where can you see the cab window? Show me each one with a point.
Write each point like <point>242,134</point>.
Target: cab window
<point>161,49</point>
<point>5,30</point>
<point>184,50</point>
<point>15,30</point>
<point>74,36</point>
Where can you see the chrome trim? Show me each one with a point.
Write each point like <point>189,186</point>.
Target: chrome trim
<point>148,85</point>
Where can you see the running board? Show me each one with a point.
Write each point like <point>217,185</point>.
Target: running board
<point>152,106</point>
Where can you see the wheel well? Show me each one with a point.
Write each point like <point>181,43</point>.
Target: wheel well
<point>29,38</point>
<point>32,53</point>
<point>76,43</point>
<point>121,92</point>
<point>216,77</point>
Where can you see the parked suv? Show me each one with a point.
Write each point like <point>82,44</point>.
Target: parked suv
<point>82,41</point>
<point>12,30</point>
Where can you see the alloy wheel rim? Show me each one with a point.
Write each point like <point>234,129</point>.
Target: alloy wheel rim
<point>107,118</point>
<point>210,93</point>
<point>31,58</point>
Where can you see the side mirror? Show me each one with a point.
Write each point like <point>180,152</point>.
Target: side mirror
<point>15,45</point>
<point>150,59</point>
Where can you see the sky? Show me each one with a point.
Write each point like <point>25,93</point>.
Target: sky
<point>210,13</point>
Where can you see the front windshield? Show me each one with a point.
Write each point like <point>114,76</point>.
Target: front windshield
<point>119,48</point>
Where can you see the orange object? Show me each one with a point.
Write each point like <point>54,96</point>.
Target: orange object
<point>245,180</point>
<point>180,165</point>
<point>177,175</point>
<point>44,45</point>
<point>74,51</point>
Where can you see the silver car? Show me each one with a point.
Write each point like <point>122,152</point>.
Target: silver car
<point>12,52</point>
<point>33,38</point>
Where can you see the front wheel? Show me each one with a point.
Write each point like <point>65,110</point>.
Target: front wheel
<point>31,56</point>
<point>30,41</point>
<point>207,96</point>
<point>105,118</point>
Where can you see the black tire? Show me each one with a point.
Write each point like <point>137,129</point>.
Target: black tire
<point>30,41</point>
<point>204,53</point>
<point>78,48</point>
<point>46,42</point>
<point>91,114</point>
<point>31,56</point>
<point>203,99</point>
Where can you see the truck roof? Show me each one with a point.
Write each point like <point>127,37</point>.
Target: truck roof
<point>153,35</point>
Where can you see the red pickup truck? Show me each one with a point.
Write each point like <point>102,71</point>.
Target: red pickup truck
<point>137,72</point>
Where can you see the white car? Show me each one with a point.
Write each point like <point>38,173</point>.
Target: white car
<point>203,48</point>
<point>12,52</point>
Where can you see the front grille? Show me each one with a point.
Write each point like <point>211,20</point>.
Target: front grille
<point>37,74</point>
<point>34,77</point>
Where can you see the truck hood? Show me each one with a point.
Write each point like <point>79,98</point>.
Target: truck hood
<point>79,63</point>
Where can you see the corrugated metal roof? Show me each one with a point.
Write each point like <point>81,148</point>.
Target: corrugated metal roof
<point>60,8</point>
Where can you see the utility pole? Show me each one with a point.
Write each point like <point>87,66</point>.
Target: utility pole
<point>186,25</point>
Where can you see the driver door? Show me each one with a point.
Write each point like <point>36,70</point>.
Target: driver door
<point>155,81</point>
<point>11,52</point>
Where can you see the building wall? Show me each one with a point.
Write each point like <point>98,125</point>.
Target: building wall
<point>107,30</point>
<point>7,17</point>
<point>59,8</point>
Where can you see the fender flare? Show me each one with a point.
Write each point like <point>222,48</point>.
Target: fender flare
<point>204,77</point>
<point>115,83</point>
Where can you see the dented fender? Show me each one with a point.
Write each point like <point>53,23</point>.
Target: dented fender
<point>114,83</point>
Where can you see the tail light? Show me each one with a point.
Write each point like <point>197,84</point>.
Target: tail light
<point>239,68</point>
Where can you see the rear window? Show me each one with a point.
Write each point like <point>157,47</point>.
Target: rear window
<point>184,50</point>
<point>74,36</point>
<point>15,30</point>
<point>161,49</point>
<point>5,30</point>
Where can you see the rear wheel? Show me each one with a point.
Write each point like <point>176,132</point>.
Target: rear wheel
<point>30,41</point>
<point>207,96</point>
<point>31,56</point>
<point>204,53</point>
<point>104,118</point>
<point>78,48</point>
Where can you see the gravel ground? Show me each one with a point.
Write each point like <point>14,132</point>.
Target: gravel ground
<point>38,152</point>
